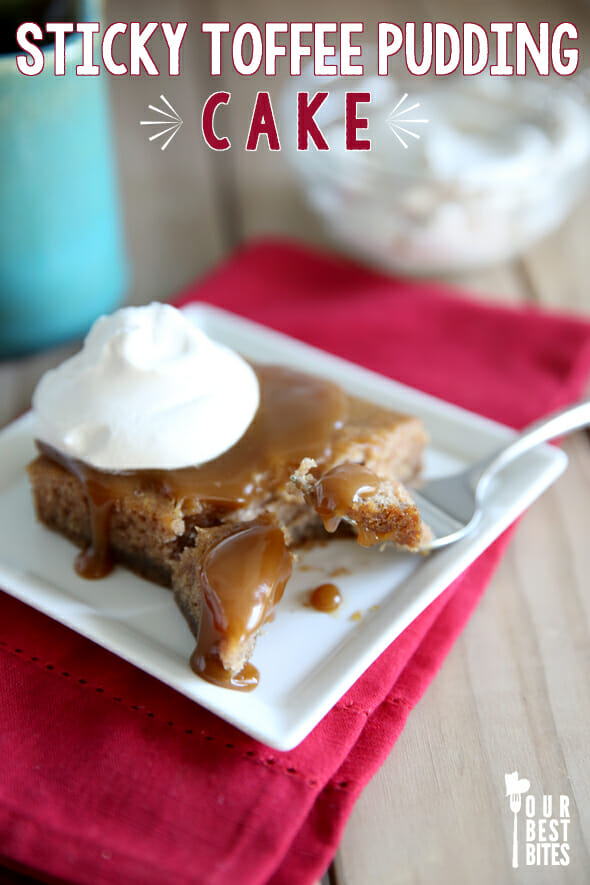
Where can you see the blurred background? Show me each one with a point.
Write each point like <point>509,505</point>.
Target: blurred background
<point>187,207</point>
<point>493,196</point>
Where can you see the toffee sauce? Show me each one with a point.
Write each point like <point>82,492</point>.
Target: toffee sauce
<point>338,490</point>
<point>325,598</point>
<point>242,577</point>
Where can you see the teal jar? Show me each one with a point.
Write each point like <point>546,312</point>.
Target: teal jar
<point>62,258</point>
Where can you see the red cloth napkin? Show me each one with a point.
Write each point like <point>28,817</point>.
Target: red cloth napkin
<point>108,776</point>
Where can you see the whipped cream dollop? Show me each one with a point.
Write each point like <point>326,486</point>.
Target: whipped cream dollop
<point>148,390</point>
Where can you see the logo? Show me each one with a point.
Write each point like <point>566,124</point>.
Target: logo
<point>546,825</point>
<point>168,124</point>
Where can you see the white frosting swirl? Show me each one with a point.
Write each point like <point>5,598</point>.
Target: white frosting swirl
<point>147,390</point>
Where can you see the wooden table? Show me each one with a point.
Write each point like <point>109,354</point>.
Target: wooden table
<point>513,693</point>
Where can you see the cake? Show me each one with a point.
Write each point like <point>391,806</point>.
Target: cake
<point>227,586</point>
<point>178,526</point>
<point>379,509</point>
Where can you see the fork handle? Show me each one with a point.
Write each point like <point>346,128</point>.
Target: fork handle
<point>558,424</point>
<point>515,842</point>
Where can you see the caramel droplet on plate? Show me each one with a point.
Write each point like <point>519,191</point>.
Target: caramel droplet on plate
<point>326,598</point>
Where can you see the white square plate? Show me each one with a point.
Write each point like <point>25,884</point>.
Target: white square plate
<point>139,621</point>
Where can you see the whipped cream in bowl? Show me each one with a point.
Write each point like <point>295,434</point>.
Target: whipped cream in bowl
<point>148,390</point>
<point>462,171</point>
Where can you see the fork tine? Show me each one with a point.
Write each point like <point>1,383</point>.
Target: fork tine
<point>441,523</point>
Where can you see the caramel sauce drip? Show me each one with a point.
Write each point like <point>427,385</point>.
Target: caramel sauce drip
<point>242,577</point>
<point>325,598</point>
<point>297,417</point>
<point>336,492</point>
<point>212,670</point>
<point>96,562</point>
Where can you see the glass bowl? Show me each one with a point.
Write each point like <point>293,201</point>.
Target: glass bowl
<point>492,165</point>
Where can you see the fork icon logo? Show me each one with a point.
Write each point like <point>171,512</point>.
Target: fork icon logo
<point>515,787</point>
<point>545,827</point>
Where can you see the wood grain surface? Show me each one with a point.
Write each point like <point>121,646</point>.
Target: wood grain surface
<point>513,693</point>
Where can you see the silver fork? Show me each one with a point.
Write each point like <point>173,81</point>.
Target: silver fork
<point>452,505</point>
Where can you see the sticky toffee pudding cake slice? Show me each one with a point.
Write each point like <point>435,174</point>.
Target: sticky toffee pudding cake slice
<point>184,527</point>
